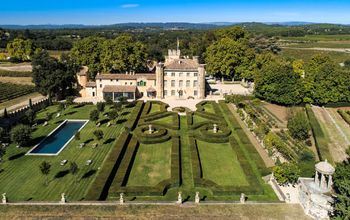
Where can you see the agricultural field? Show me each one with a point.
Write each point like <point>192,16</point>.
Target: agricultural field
<point>181,153</point>
<point>21,178</point>
<point>10,91</point>
<point>306,55</point>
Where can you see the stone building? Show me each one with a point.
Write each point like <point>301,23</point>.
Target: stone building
<point>179,77</point>
<point>314,193</point>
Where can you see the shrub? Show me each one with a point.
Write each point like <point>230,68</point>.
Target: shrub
<point>69,100</point>
<point>135,115</point>
<point>100,106</point>
<point>77,136</point>
<point>286,173</point>
<point>298,126</point>
<point>98,134</point>
<point>94,115</point>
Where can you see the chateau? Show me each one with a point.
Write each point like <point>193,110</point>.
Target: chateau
<point>179,77</point>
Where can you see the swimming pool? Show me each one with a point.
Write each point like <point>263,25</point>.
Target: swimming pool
<point>58,139</point>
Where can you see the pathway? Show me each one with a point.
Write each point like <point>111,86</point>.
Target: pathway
<point>263,154</point>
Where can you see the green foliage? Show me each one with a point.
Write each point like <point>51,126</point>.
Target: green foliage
<point>21,134</point>
<point>286,173</point>
<point>77,136</point>
<point>98,134</point>
<point>94,115</point>
<point>30,116</point>
<point>7,73</point>
<point>113,114</point>
<point>298,126</point>
<point>108,100</point>
<point>53,77</point>
<point>341,179</point>
<point>69,100</point>
<point>45,168</point>
<point>73,168</point>
<point>20,49</point>
<point>100,106</point>
<point>272,141</point>
<point>278,83</point>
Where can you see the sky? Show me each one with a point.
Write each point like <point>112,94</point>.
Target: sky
<point>97,12</point>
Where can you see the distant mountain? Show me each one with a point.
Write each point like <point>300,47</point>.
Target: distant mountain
<point>164,26</point>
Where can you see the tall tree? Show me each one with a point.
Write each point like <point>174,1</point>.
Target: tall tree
<point>277,82</point>
<point>123,54</point>
<point>87,52</point>
<point>45,168</point>
<point>341,186</point>
<point>53,77</point>
<point>20,49</point>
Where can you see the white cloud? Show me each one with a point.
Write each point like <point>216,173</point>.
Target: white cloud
<point>130,5</point>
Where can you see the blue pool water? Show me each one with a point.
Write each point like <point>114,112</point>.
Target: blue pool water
<point>53,143</point>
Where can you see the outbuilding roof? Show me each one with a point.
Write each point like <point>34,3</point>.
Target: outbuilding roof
<point>123,76</point>
<point>110,88</point>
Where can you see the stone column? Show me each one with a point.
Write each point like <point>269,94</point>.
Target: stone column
<point>4,199</point>
<point>63,198</point>
<point>323,181</point>
<point>201,81</point>
<point>317,181</point>
<point>242,199</point>
<point>121,198</point>
<point>160,80</point>
<point>330,182</point>
<point>179,198</point>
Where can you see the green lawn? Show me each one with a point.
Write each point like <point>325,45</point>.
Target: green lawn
<point>152,165</point>
<point>165,120</point>
<point>220,164</point>
<point>21,178</point>
<point>155,107</point>
<point>209,108</point>
<point>198,119</point>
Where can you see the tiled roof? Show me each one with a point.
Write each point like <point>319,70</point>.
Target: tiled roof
<point>91,84</point>
<point>124,76</point>
<point>182,64</point>
<point>109,88</point>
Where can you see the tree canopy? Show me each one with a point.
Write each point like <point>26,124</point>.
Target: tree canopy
<point>53,77</point>
<point>20,49</point>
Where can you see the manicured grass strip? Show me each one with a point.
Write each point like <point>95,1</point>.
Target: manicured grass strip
<point>152,165</point>
<point>319,136</point>
<point>345,115</point>
<point>220,164</point>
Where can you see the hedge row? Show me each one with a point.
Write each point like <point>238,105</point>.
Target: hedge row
<point>100,187</point>
<point>203,134</point>
<point>8,73</point>
<point>195,158</point>
<point>161,188</point>
<point>345,115</point>
<point>134,117</point>
<point>231,118</point>
<point>320,138</point>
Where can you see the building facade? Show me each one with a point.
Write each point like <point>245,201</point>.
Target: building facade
<point>178,77</point>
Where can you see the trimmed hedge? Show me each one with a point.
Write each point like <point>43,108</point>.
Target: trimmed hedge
<point>319,136</point>
<point>134,117</point>
<point>210,137</point>
<point>161,135</point>
<point>7,73</point>
<point>100,187</point>
<point>345,115</point>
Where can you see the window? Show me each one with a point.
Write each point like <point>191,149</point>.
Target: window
<point>172,92</point>
<point>188,74</point>
<point>130,83</point>
<point>188,83</point>
<point>165,83</point>
<point>168,74</point>
<point>172,83</point>
<point>180,74</point>
<point>172,74</point>
<point>195,74</point>
<point>126,83</point>
<point>195,83</point>
<point>111,80</point>
<point>100,85</point>
<point>165,92</point>
<point>181,82</point>
<point>195,93</point>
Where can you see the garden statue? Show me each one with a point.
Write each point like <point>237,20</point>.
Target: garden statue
<point>215,129</point>
<point>179,198</point>
<point>4,200</point>
<point>150,129</point>
<point>121,198</point>
<point>63,198</point>
<point>242,199</point>
<point>197,199</point>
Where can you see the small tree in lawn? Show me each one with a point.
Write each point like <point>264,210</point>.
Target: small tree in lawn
<point>77,136</point>
<point>2,153</point>
<point>70,100</point>
<point>94,115</point>
<point>61,107</point>
<point>100,106</point>
<point>30,116</point>
<point>45,168</point>
<point>48,116</point>
<point>109,100</point>
<point>98,134</point>
<point>73,169</point>
<point>21,134</point>
<point>112,115</point>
